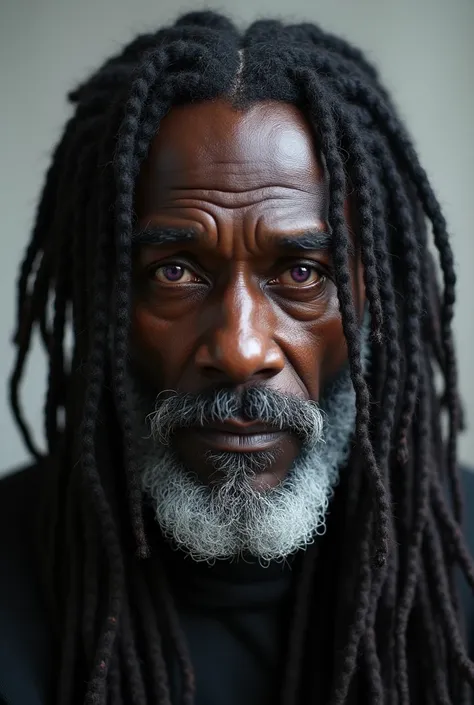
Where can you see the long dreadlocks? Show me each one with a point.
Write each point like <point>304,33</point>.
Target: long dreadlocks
<point>394,536</point>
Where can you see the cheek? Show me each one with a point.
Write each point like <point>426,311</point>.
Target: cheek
<point>333,340</point>
<point>154,346</point>
<point>315,349</point>
<point>334,345</point>
<point>328,341</point>
<point>327,351</point>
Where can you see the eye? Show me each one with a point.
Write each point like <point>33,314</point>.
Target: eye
<point>300,275</point>
<point>174,273</point>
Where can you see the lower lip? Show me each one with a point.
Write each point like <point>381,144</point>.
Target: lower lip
<point>235,442</point>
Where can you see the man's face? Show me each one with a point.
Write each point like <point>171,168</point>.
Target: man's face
<point>233,277</point>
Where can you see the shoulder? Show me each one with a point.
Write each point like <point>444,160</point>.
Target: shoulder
<point>19,494</point>
<point>467,477</point>
<point>18,488</point>
<point>24,636</point>
<point>19,498</point>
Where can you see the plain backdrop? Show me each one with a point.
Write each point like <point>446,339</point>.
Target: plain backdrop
<point>424,49</point>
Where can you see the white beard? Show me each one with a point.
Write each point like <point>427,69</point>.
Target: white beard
<point>232,519</point>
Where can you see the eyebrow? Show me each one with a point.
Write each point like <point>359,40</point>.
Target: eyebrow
<point>315,240</point>
<point>309,240</point>
<point>153,235</point>
<point>312,240</point>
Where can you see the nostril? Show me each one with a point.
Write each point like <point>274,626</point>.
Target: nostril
<point>239,374</point>
<point>211,371</point>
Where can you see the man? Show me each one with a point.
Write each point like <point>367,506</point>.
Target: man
<point>247,495</point>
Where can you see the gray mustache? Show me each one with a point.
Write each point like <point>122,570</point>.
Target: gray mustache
<point>281,411</point>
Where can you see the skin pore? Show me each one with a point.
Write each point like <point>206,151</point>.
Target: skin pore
<point>233,280</point>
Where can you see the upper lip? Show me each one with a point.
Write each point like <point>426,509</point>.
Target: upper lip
<point>240,428</point>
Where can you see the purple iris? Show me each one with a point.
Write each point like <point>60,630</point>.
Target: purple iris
<point>301,273</point>
<point>173,272</point>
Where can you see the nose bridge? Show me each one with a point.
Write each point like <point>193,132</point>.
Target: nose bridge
<point>241,332</point>
<point>241,336</point>
<point>241,311</point>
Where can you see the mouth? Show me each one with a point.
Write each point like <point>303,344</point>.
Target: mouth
<point>238,436</point>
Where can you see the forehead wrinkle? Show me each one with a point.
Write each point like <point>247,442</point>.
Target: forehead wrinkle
<point>234,199</point>
<point>211,177</point>
<point>236,167</point>
<point>233,159</point>
<point>247,152</point>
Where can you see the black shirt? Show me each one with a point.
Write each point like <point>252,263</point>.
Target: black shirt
<point>234,615</point>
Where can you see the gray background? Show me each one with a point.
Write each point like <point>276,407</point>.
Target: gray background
<point>424,48</point>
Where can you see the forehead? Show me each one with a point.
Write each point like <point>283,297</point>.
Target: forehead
<point>214,146</point>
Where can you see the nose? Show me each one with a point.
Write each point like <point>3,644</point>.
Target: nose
<point>239,344</point>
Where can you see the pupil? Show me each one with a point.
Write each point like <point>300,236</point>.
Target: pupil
<point>174,272</point>
<point>300,274</point>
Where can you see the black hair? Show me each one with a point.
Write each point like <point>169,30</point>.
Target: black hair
<point>385,570</point>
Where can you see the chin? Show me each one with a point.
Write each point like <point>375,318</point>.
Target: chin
<point>217,504</point>
<point>266,481</point>
<point>259,471</point>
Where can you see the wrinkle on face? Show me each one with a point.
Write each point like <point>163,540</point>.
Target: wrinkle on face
<point>242,179</point>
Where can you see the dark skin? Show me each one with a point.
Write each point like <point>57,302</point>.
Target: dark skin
<point>233,277</point>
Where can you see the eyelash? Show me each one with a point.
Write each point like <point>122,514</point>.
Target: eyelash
<point>323,272</point>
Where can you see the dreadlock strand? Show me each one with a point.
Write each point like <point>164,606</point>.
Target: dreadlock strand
<point>90,585</point>
<point>371,660</point>
<point>414,293</point>
<point>346,662</point>
<point>339,47</point>
<point>436,677</point>
<point>441,588</point>
<point>453,531</point>
<point>421,499</point>
<point>403,145</point>
<point>387,395</point>
<point>98,287</point>
<point>130,662</point>
<point>115,682</point>
<point>389,362</point>
<point>96,692</point>
<point>78,168</point>
<point>57,372</point>
<point>124,163</point>
<point>349,319</point>
<point>360,173</point>
<point>42,219</point>
<point>68,653</point>
<point>156,661</point>
<point>37,300</point>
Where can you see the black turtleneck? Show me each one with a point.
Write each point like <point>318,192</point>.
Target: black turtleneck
<point>234,616</point>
